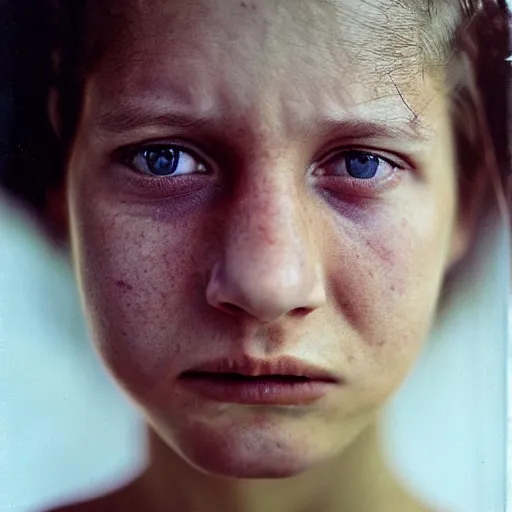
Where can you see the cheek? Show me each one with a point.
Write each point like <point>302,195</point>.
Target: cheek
<point>386,272</point>
<point>139,280</point>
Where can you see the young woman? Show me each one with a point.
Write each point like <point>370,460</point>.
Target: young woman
<point>265,202</point>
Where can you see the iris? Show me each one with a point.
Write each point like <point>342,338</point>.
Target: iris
<point>362,165</point>
<point>162,161</point>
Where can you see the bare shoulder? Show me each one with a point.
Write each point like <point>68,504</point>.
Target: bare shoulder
<point>96,505</point>
<point>120,500</point>
<point>101,504</point>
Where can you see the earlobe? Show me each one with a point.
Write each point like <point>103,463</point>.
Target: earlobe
<point>472,197</point>
<point>57,212</point>
<point>461,240</point>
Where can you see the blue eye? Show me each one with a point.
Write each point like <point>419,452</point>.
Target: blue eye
<point>166,161</point>
<point>161,161</point>
<point>361,165</point>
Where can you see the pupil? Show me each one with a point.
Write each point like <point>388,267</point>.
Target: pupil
<point>362,165</point>
<point>161,162</point>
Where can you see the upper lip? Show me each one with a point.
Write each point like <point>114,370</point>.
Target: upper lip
<point>251,367</point>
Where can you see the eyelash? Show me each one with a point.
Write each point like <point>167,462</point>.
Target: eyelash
<point>177,150</point>
<point>359,186</point>
<point>349,184</point>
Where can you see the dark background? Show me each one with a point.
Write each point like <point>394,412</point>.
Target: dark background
<point>27,147</point>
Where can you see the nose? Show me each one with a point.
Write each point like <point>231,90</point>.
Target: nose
<point>269,266</point>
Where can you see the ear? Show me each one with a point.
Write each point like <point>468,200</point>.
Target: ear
<point>52,107</point>
<point>56,213</point>
<point>472,197</point>
<point>462,236</point>
<point>459,246</point>
<point>56,210</point>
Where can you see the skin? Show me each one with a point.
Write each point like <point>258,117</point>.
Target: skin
<point>269,249</point>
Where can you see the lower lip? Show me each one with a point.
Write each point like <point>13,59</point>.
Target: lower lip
<point>257,391</point>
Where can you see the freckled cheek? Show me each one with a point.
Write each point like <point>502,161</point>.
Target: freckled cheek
<point>393,289</point>
<point>414,247</point>
<point>388,283</point>
<point>392,258</point>
<point>135,279</point>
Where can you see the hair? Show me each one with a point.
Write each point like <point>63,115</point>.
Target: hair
<point>467,41</point>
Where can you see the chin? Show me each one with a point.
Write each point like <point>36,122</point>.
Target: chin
<point>239,463</point>
<point>247,453</point>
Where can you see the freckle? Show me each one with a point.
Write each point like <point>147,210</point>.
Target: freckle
<point>124,285</point>
<point>393,288</point>
<point>248,5</point>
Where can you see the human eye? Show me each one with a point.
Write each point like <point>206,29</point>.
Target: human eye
<point>359,172</point>
<point>165,160</point>
<point>359,165</point>
<point>158,170</point>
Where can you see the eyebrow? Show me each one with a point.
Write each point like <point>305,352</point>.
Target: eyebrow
<point>131,117</point>
<point>362,128</point>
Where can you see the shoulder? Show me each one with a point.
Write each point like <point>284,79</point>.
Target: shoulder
<point>96,505</point>
<point>103,504</point>
<point>118,501</point>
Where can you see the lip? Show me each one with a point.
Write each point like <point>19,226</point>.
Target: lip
<point>283,381</point>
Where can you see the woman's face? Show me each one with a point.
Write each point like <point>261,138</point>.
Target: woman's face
<point>253,181</point>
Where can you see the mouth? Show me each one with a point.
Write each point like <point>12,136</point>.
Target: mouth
<point>238,378</point>
<point>252,382</point>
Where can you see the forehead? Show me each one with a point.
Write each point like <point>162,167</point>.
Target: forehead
<point>339,32</point>
<point>307,53</point>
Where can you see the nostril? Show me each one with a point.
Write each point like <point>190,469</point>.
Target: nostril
<point>231,309</point>
<point>301,312</point>
<point>237,311</point>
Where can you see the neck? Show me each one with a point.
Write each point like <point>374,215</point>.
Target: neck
<point>356,481</point>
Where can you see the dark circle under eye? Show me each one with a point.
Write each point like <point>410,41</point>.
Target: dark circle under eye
<point>162,161</point>
<point>361,165</point>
